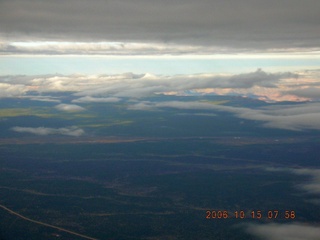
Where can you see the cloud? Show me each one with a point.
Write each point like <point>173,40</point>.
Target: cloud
<point>106,48</point>
<point>148,84</point>
<point>259,84</point>
<point>291,117</point>
<point>292,231</point>
<point>311,93</point>
<point>69,108</point>
<point>198,114</point>
<point>138,49</point>
<point>44,99</point>
<point>89,99</point>
<point>247,24</point>
<point>248,80</point>
<point>143,106</point>
<point>69,131</point>
<point>310,186</point>
<point>11,90</point>
<point>313,186</point>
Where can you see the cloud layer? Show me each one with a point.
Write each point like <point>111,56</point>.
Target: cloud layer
<point>140,48</point>
<point>296,117</point>
<point>69,108</point>
<point>310,186</point>
<point>232,24</point>
<point>103,88</point>
<point>89,99</point>
<point>12,90</point>
<point>313,186</point>
<point>293,231</point>
<point>266,86</point>
<point>69,131</point>
<point>308,92</point>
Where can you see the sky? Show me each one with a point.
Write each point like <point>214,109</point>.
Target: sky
<point>152,26</point>
<point>144,27</point>
<point>166,39</point>
<point>269,50</point>
<point>219,42</point>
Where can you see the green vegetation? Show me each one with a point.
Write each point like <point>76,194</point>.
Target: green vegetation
<point>18,112</point>
<point>107,124</point>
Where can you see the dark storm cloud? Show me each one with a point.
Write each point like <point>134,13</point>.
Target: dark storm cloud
<point>232,23</point>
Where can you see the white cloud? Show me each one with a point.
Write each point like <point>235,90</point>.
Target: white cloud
<point>292,231</point>
<point>292,117</point>
<point>69,131</point>
<point>44,99</point>
<point>310,186</point>
<point>148,84</point>
<point>313,186</point>
<point>143,106</point>
<point>69,108</point>
<point>278,86</point>
<point>105,48</point>
<point>132,85</point>
<point>142,48</point>
<point>12,90</point>
<point>89,99</point>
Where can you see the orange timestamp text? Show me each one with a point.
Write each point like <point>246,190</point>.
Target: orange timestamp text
<point>252,214</point>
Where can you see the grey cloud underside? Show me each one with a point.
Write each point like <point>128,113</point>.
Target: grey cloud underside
<point>234,23</point>
<point>313,93</point>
